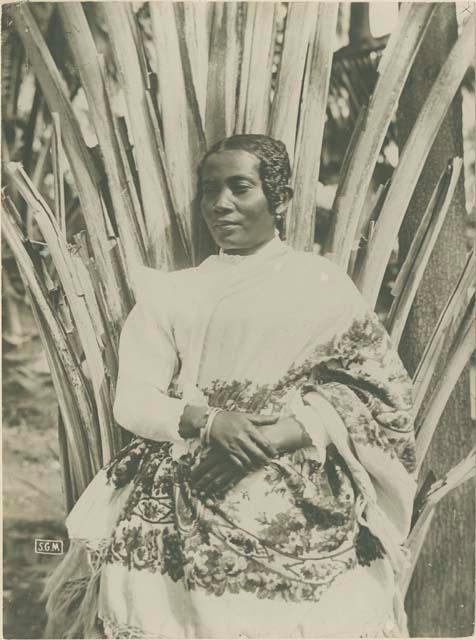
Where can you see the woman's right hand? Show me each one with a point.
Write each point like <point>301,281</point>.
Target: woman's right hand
<point>238,435</point>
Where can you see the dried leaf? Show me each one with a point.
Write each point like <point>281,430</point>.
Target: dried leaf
<point>413,268</point>
<point>462,472</point>
<point>452,310</point>
<point>301,217</point>
<point>411,163</point>
<point>457,359</point>
<point>370,131</point>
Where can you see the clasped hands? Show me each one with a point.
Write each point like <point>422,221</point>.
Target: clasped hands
<point>240,443</point>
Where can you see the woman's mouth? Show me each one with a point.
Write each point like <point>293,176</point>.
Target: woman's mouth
<point>224,225</point>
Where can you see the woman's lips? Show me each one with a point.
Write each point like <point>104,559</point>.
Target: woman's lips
<point>224,226</point>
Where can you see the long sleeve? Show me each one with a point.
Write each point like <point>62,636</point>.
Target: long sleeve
<point>148,361</point>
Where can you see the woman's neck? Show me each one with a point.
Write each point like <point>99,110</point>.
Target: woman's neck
<point>248,251</point>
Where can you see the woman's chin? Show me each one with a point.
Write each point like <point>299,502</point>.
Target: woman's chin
<point>231,246</point>
<point>244,246</point>
<point>236,248</point>
<point>228,243</point>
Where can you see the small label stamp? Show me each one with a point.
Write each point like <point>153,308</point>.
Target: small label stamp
<point>54,547</point>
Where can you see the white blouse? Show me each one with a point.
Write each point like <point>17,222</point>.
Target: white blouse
<point>203,315</point>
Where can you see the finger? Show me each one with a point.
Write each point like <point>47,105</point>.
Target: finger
<point>256,454</point>
<point>205,466</point>
<point>264,444</point>
<point>216,485</point>
<point>261,421</point>
<point>208,461</point>
<point>228,480</point>
<point>219,483</point>
<point>231,484</point>
<point>199,472</point>
<point>234,480</point>
<point>243,457</point>
<point>207,478</point>
<point>236,461</point>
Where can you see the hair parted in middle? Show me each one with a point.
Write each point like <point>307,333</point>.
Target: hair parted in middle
<point>274,167</point>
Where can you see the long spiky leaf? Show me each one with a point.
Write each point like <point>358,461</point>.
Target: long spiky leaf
<point>70,490</point>
<point>73,290</point>
<point>192,24</point>
<point>82,422</point>
<point>412,270</point>
<point>39,172</point>
<point>459,297</point>
<point>85,174</point>
<point>457,359</point>
<point>89,67</point>
<point>460,473</point>
<point>411,163</point>
<point>393,71</point>
<point>257,61</point>
<point>300,25</point>
<point>300,229</point>
<point>166,234</point>
<point>182,146</point>
<point>58,173</point>
<point>80,452</point>
<point>223,70</point>
<point>368,216</point>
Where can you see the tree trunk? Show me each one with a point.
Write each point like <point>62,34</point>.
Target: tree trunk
<point>359,30</point>
<point>440,601</point>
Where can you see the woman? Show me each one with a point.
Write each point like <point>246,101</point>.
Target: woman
<point>269,488</point>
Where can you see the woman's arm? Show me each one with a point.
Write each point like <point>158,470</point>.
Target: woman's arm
<point>148,361</point>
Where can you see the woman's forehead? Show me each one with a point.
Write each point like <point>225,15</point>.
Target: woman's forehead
<point>230,163</point>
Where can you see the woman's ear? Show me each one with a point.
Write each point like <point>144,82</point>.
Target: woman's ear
<point>286,196</point>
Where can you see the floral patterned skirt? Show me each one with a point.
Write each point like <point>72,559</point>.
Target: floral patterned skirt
<point>281,555</point>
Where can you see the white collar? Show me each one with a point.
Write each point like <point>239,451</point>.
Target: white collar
<point>273,246</point>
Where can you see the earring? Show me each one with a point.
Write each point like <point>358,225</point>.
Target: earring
<point>280,225</point>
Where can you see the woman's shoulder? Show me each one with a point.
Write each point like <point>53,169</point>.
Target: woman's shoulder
<point>156,287</point>
<point>322,268</point>
<point>328,280</point>
<point>330,286</point>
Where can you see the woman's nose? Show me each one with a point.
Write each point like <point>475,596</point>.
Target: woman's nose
<point>223,201</point>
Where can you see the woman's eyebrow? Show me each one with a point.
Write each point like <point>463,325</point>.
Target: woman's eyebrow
<point>235,178</point>
<point>241,177</point>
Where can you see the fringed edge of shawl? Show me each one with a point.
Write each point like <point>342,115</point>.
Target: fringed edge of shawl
<point>71,596</point>
<point>370,515</point>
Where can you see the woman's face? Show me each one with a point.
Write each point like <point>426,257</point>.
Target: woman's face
<point>233,203</point>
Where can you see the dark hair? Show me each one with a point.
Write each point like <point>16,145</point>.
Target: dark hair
<point>274,168</point>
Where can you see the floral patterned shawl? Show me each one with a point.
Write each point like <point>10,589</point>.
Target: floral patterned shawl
<point>293,543</point>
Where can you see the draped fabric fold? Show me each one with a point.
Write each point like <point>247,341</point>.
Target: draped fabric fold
<point>282,551</point>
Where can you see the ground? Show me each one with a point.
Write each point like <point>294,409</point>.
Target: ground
<point>32,491</point>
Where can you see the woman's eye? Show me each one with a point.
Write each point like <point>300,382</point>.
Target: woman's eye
<point>209,189</point>
<point>242,188</point>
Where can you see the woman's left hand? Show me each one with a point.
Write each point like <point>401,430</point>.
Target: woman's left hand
<point>217,473</point>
